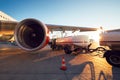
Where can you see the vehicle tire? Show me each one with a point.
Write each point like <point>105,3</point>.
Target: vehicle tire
<point>78,50</point>
<point>113,59</point>
<point>67,50</point>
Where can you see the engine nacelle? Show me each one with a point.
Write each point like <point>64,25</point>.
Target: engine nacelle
<point>31,35</point>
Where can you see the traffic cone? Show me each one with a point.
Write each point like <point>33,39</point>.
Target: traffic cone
<point>63,67</point>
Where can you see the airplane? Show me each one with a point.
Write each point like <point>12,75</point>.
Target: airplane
<point>32,35</point>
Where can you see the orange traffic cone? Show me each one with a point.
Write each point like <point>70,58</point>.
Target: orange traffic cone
<point>63,67</point>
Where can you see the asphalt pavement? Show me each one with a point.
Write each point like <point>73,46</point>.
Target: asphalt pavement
<point>45,64</point>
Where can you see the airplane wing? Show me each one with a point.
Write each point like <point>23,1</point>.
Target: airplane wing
<point>114,30</point>
<point>7,29</point>
<point>31,34</point>
<point>69,28</point>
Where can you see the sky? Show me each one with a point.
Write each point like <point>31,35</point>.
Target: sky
<point>83,13</point>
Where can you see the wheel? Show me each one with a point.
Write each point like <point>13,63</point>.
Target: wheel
<point>113,59</point>
<point>78,50</point>
<point>67,50</point>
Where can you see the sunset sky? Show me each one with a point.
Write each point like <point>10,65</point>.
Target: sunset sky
<point>84,13</point>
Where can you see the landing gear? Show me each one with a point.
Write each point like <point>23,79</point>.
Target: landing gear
<point>113,58</point>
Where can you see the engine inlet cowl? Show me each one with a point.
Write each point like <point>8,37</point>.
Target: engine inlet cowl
<point>31,34</point>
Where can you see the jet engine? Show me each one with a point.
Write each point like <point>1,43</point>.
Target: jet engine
<point>31,34</point>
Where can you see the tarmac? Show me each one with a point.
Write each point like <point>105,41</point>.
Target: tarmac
<point>45,64</point>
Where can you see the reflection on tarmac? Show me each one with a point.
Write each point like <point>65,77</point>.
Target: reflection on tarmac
<point>16,64</point>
